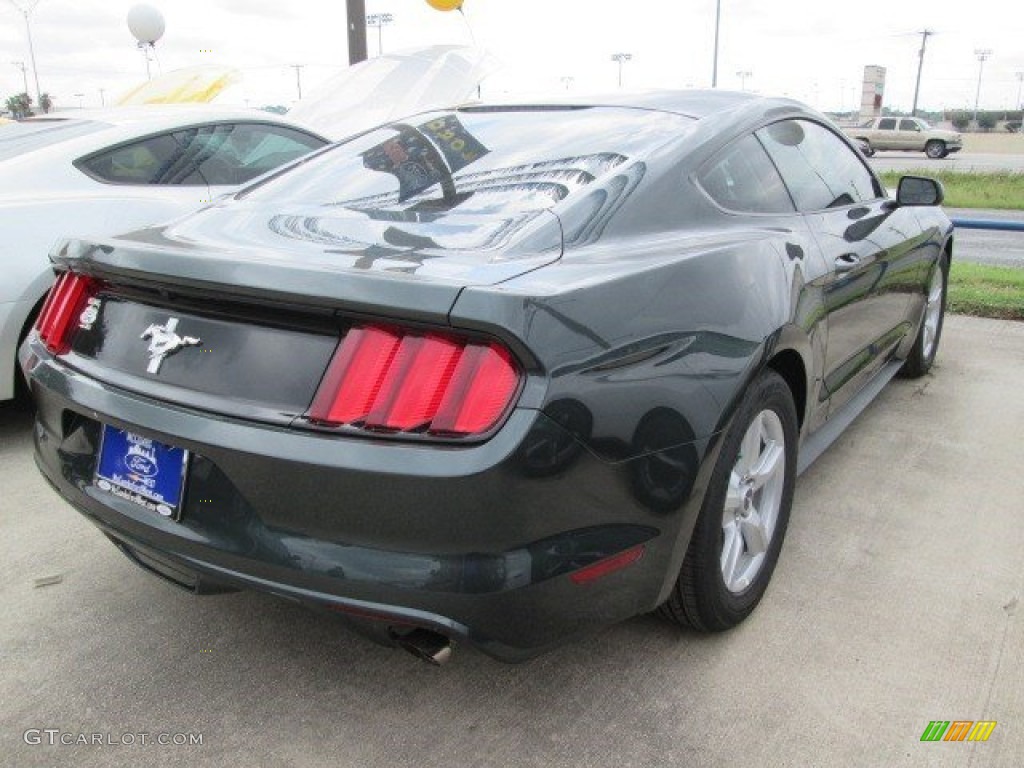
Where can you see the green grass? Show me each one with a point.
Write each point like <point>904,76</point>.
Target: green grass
<point>985,291</point>
<point>1002,190</point>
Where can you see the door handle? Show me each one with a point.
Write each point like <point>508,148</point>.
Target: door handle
<point>846,262</point>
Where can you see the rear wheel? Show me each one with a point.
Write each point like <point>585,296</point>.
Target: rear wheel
<point>936,149</point>
<point>21,389</point>
<point>739,532</point>
<point>926,345</point>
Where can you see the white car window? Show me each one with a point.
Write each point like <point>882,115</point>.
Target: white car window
<point>224,154</point>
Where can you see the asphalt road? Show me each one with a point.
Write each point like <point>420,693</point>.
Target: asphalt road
<point>980,246</point>
<point>897,601</point>
<point>958,161</point>
<point>988,246</point>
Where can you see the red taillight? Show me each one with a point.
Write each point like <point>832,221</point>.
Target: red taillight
<point>390,379</point>
<point>64,303</point>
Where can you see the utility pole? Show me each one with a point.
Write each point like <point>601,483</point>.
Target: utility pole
<point>982,54</point>
<point>298,77</point>
<point>621,57</point>
<point>103,99</point>
<point>1020,82</point>
<point>925,34</point>
<point>568,80</point>
<point>31,49</point>
<point>714,64</point>
<point>743,75</point>
<point>24,74</point>
<point>356,30</point>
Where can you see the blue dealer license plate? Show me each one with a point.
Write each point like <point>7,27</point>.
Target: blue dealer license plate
<point>142,471</point>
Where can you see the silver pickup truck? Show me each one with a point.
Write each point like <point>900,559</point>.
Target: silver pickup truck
<point>909,134</point>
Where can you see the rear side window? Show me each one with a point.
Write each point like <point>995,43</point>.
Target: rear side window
<point>819,169</point>
<point>214,155</point>
<point>908,125</point>
<point>742,178</point>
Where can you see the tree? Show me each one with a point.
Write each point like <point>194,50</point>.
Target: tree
<point>986,121</point>
<point>960,120</point>
<point>20,105</point>
<point>45,103</point>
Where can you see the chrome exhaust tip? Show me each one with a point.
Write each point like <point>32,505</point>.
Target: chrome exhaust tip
<point>431,647</point>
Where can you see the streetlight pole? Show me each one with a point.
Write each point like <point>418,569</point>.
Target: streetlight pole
<point>378,20</point>
<point>743,78</point>
<point>714,63</point>
<point>621,57</point>
<point>982,54</point>
<point>31,49</point>
<point>1020,82</point>
<point>925,33</point>
<point>567,81</point>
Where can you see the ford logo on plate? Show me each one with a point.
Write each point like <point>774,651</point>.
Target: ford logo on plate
<point>141,464</point>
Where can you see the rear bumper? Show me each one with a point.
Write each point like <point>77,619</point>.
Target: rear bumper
<point>479,543</point>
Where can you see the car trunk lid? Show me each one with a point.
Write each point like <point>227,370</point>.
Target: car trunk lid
<point>253,322</point>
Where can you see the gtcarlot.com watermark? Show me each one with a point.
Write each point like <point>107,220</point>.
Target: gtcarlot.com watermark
<point>57,737</point>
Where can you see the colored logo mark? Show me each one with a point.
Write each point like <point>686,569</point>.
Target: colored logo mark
<point>958,730</point>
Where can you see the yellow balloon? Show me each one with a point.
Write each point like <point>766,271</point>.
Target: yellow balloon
<point>445,5</point>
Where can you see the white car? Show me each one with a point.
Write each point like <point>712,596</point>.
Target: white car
<point>108,172</point>
<point>105,172</point>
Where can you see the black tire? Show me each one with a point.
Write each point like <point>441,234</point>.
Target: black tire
<point>936,149</point>
<point>700,598</point>
<point>22,394</point>
<point>922,354</point>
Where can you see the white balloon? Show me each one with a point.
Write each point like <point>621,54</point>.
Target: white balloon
<point>146,23</point>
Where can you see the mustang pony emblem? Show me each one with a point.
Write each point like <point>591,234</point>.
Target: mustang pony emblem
<point>163,341</point>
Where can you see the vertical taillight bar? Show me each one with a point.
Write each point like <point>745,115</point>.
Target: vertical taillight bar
<point>64,303</point>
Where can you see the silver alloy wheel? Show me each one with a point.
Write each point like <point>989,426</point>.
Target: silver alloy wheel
<point>932,314</point>
<point>752,500</point>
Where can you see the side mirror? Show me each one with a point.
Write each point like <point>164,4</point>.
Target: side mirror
<point>918,190</point>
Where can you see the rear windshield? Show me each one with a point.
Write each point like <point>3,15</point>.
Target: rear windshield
<point>475,160</point>
<point>18,138</point>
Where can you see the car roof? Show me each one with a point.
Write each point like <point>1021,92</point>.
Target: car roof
<point>696,104</point>
<point>158,116</point>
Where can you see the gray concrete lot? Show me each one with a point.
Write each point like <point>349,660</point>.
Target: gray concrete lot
<point>897,601</point>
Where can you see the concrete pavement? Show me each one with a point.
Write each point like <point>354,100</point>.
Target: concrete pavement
<point>897,601</point>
